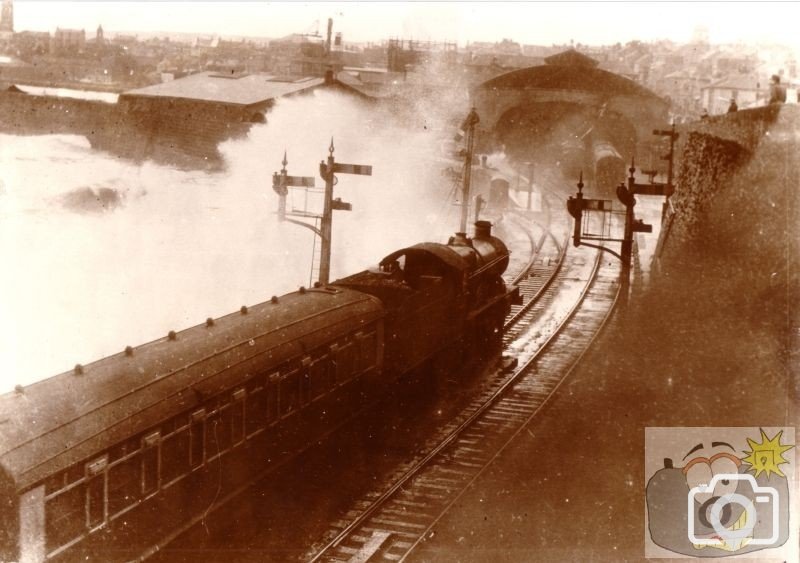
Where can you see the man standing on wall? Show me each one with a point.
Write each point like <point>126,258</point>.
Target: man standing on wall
<point>777,91</point>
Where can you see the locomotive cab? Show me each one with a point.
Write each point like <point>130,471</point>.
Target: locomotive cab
<point>416,269</point>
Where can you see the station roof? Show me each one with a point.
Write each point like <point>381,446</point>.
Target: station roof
<point>239,89</point>
<point>569,70</point>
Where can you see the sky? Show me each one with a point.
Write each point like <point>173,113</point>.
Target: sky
<point>542,23</point>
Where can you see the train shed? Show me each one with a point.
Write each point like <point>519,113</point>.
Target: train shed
<point>568,98</point>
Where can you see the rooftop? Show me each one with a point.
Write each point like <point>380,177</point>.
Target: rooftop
<point>237,89</point>
<point>737,82</point>
<point>569,70</point>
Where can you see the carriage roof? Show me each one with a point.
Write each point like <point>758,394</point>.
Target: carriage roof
<point>51,424</point>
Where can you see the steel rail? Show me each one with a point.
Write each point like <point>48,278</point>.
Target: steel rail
<point>381,500</point>
<point>525,424</point>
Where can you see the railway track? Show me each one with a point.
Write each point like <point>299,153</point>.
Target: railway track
<point>537,285</point>
<point>388,525</point>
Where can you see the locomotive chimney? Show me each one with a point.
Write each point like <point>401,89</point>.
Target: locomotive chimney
<point>483,230</point>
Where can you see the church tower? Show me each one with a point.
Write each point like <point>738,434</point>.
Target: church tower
<point>7,17</point>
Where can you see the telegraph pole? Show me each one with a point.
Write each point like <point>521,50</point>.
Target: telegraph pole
<point>469,126</point>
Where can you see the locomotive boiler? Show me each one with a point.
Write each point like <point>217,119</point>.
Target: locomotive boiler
<point>116,458</point>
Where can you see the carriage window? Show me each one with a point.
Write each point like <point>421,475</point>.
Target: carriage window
<point>150,444</point>
<point>273,397</point>
<point>174,423</point>
<point>65,517</point>
<point>256,407</point>
<point>223,430</point>
<point>55,482</point>
<point>175,455</point>
<point>319,376</point>
<point>237,416</point>
<point>123,484</point>
<point>74,473</point>
<point>305,380</point>
<point>345,362</point>
<point>124,448</point>
<point>212,435</point>
<point>197,440</point>
<point>367,350</point>
<point>290,392</point>
<point>96,492</point>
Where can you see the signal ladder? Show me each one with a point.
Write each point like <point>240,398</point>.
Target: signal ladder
<point>316,256</point>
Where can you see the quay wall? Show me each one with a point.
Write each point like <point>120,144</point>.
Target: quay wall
<point>182,133</point>
<point>727,279</point>
<point>734,182</point>
<point>735,202</point>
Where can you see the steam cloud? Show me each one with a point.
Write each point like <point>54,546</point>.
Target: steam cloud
<point>185,245</point>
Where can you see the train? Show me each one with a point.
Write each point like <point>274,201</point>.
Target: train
<point>609,168</point>
<point>598,160</point>
<point>572,156</point>
<point>114,459</point>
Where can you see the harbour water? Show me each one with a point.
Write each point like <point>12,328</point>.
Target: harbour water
<point>99,253</point>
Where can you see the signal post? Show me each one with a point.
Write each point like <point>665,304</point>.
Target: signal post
<point>281,182</point>
<point>626,192</point>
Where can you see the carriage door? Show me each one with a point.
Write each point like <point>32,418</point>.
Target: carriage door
<point>31,528</point>
<point>96,488</point>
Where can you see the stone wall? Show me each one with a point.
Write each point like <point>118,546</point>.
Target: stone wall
<point>727,265</point>
<point>736,191</point>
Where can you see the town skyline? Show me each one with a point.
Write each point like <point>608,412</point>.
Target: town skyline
<point>537,23</point>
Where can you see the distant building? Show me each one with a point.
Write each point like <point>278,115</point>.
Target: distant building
<point>67,41</point>
<point>31,43</point>
<point>7,19</point>
<point>203,43</point>
<point>125,40</point>
<point>700,35</point>
<point>99,36</point>
<point>744,88</point>
<point>302,55</point>
<point>684,88</point>
<point>400,57</point>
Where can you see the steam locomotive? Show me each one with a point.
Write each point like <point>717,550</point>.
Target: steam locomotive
<point>116,458</point>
